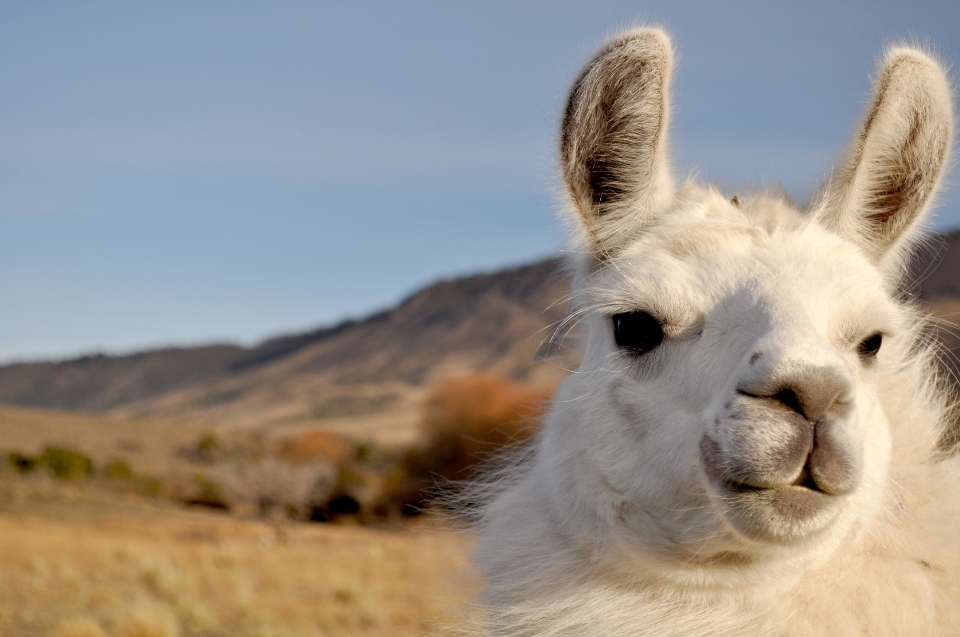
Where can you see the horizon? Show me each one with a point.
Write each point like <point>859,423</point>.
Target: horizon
<point>349,319</point>
<point>186,175</point>
<point>291,331</point>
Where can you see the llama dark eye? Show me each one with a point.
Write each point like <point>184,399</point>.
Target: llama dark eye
<point>869,347</point>
<point>637,332</point>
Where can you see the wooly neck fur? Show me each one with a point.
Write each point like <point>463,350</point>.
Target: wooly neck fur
<point>750,443</point>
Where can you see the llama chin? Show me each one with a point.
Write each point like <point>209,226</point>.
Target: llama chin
<point>750,443</point>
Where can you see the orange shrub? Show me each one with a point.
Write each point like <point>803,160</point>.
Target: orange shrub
<point>467,419</point>
<point>308,446</point>
<point>465,422</point>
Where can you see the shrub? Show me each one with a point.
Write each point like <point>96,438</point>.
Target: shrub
<point>207,493</point>
<point>314,445</point>
<point>467,420</point>
<point>150,485</point>
<point>278,489</point>
<point>464,423</point>
<point>21,463</point>
<point>207,448</point>
<point>66,464</point>
<point>355,493</point>
<point>117,469</point>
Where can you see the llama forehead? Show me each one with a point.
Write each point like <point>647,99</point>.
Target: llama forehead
<point>772,256</point>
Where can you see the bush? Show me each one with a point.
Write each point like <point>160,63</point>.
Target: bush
<point>123,475</point>
<point>21,463</point>
<point>313,446</point>
<point>465,422</point>
<point>278,489</point>
<point>208,449</point>
<point>355,493</point>
<point>207,493</point>
<point>117,469</point>
<point>66,464</point>
<point>150,485</point>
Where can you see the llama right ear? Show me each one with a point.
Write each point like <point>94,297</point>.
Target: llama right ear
<point>614,137</point>
<point>882,191</point>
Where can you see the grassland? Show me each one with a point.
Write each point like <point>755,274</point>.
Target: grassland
<point>82,559</point>
<point>150,445</point>
<point>79,564</point>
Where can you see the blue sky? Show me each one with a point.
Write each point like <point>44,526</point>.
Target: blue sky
<point>192,172</point>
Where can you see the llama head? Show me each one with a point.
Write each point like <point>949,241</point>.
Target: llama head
<point>728,407</point>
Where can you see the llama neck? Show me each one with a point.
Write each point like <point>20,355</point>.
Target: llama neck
<point>895,579</point>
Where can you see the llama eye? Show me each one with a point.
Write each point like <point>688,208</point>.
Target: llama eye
<point>869,347</point>
<point>637,332</point>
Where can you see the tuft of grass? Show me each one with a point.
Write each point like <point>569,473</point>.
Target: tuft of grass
<point>147,621</point>
<point>209,447</point>
<point>78,627</point>
<point>150,485</point>
<point>117,469</point>
<point>344,595</point>
<point>218,578</point>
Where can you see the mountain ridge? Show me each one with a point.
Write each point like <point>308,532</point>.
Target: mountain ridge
<point>487,322</point>
<point>103,382</point>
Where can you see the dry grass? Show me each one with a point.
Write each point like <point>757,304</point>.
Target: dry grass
<point>78,627</point>
<point>150,446</point>
<point>157,574</point>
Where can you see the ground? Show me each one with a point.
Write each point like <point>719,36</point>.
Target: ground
<point>75,562</point>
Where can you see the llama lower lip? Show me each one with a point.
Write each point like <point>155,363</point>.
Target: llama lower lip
<point>784,514</point>
<point>780,514</point>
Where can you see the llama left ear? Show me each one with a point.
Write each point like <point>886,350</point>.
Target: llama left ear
<point>613,142</point>
<point>887,182</point>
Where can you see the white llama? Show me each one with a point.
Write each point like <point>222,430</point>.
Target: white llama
<point>750,444</point>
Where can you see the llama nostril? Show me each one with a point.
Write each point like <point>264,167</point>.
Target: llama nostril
<point>812,393</point>
<point>786,397</point>
<point>789,398</point>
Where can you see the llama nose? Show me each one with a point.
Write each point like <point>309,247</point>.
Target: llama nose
<point>811,391</point>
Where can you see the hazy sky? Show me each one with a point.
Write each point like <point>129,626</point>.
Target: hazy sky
<point>185,172</point>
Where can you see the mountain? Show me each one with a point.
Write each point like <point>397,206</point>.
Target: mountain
<point>496,322</point>
<point>486,322</point>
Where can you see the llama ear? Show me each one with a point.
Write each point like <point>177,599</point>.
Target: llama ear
<point>614,137</point>
<point>886,183</point>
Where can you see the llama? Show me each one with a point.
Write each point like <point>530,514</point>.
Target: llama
<point>750,444</point>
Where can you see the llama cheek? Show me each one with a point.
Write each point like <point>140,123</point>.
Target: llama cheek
<point>632,410</point>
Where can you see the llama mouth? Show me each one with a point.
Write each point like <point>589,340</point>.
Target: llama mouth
<point>782,514</point>
<point>803,481</point>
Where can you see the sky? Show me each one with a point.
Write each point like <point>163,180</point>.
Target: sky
<point>183,172</point>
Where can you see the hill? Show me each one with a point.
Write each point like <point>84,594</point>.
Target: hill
<point>486,322</point>
<point>377,367</point>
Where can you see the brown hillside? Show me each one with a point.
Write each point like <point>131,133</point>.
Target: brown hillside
<point>382,364</point>
<point>488,322</point>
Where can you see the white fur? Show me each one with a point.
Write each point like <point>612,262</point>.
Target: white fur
<point>612,524</point>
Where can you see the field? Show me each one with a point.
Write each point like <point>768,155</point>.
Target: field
<point>86,558</point>
<point>79,564</point>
